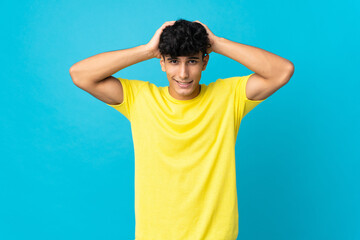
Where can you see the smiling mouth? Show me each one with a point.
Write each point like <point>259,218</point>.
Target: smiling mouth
<point>184,82</point>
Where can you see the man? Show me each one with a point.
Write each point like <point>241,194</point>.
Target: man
<point>184,134</point>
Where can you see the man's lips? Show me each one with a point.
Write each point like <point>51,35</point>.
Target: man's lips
<point>184,82</point>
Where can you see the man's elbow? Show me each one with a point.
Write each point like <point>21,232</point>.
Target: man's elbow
<point>74,74</point>
<point>288,72</point>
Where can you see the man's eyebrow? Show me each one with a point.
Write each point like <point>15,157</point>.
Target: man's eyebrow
<point>169,58</point>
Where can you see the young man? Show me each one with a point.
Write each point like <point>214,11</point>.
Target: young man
<point>184,134</point>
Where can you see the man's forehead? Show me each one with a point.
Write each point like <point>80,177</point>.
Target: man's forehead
<point>196,56</point>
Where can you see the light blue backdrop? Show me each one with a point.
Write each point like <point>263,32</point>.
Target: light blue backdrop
<point>67,162</point>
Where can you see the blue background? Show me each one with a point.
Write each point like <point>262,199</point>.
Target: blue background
<point>67,162</point>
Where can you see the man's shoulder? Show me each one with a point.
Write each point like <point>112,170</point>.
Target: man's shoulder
<point>223,82</point>
<point>134,82</point>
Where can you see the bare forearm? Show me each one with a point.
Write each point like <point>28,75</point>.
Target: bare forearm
<point>260,61</point>
<point>103,65</point>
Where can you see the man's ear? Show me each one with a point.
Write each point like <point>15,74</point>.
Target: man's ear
<point>162,63</point>
<point>205,61</point>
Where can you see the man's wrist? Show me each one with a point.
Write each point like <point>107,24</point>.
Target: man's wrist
<point>216,44</point>
<point>149,52</point>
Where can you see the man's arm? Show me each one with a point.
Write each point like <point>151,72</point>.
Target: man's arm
<point>262,62</point>
<point>93,74</point>
<point>103,65</point>
<point>271,71</point>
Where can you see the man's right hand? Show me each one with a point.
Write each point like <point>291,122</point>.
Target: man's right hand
<point>153,45</point>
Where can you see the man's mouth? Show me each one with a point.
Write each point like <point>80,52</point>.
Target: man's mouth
<point>184,84</point>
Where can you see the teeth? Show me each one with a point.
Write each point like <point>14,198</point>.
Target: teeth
<point>184,83</point>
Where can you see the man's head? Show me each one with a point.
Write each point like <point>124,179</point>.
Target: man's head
<point>183,47</point>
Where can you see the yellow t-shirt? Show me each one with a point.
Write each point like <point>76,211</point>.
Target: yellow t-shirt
<point>185,176</point>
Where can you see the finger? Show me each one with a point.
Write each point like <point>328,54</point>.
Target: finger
<point>168,24</point>
<point>200,22</point>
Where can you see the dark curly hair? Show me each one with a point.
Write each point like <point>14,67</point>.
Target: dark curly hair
<point>184,38</point>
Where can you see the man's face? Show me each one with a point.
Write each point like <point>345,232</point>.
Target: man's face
<point>185,70</point>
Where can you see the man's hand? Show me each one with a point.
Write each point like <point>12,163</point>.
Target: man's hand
<point>213,39</point>
<point>153,45</point>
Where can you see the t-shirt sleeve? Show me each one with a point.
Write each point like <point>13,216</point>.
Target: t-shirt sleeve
<point>131,89</point>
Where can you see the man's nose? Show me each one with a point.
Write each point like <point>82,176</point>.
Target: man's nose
<point>184,72</point>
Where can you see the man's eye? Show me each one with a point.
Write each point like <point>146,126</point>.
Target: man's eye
<point>191,61</point>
